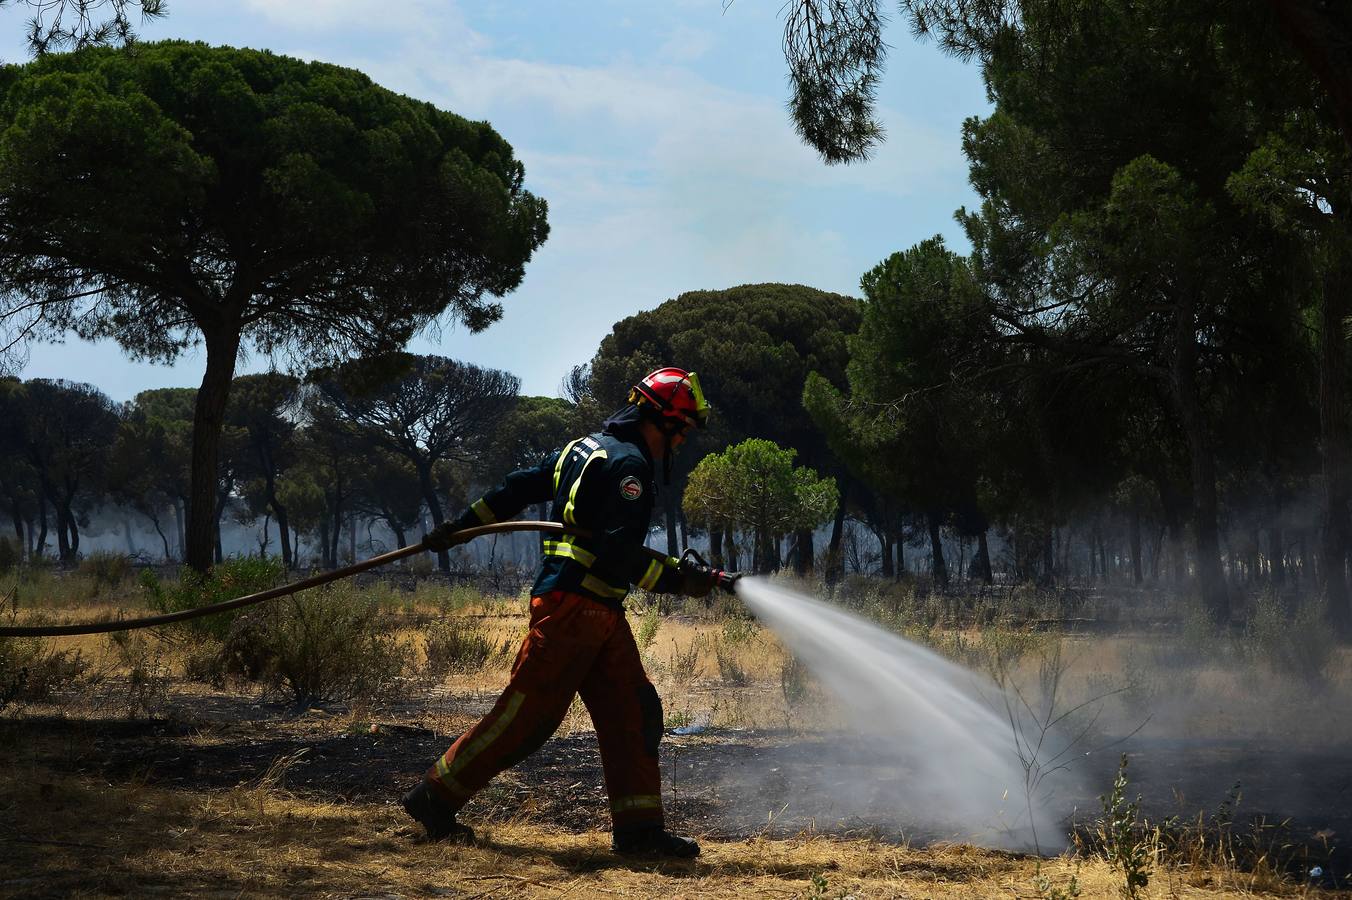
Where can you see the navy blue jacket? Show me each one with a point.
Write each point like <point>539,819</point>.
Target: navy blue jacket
<point>603,483</point>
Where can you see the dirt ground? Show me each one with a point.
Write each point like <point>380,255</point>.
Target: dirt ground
<point>224,794</point>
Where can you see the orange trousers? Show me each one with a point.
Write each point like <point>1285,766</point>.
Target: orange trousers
<point>576,645</point>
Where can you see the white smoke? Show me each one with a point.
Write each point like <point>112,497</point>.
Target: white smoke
<point>930,746</point>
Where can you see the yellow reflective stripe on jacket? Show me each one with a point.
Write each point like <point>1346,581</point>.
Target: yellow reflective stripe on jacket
<point>558,466</point>
<point>483,512</point>
<point>571,551</point>
<point>635,801</point>
<point>572,493</point>
<point>597,586</point>
<point>654,572</point>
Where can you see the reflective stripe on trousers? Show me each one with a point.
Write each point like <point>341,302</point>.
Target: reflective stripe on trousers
<point>575,645</point>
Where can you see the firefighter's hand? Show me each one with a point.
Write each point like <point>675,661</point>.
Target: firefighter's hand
<point>443,537</point>
<point>697,578</point>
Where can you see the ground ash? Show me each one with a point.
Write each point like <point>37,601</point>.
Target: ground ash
<point>928,750</point>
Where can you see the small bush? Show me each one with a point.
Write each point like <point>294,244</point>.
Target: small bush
<point>729,666</point>
<point>326,645</point>
<point>793,681</point>
<point>31,671</point>
<point>106,571</point>
<point>738,631</point>
<point>457,645</point>
<point>147,687</point>
<point>647,627</point>
<point>1301,645</point>
<point>228,580</point>
<point>685,663</point>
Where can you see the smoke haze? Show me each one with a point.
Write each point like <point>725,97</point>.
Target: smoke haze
<point>929,745</point>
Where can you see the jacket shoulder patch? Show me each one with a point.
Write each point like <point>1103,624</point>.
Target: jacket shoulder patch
<point>631,488</point>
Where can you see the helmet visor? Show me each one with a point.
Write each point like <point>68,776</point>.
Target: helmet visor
<point>701,405</point>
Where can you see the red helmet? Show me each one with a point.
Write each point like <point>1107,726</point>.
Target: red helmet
<point>672,394</point>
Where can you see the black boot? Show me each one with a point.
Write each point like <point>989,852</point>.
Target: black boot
<point>652,840</point>
<point>439,819</point>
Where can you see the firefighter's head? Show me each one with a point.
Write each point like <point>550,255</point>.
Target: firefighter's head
<point>671,403</point>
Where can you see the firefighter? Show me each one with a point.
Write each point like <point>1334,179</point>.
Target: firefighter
<point>579,640</point>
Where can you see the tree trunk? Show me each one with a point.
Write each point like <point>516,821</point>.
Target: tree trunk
<point>74,527</point>
<point>283,526</point>
<point>180,510</point>
<point>940,569</point>
<point>429,492</point>
<point>1202,466</point>
<point>1048,555</point>
<point>982,564</point>
<point>62,533</point>
<point>885,543</point>
<point>730,554</point>
<point>835,558</point>
<point>1276,555</point>
<point>1136,546</point>
<point>164,538</point>
<point>804,557</point>
<point>324,545</point>
<point>40,549</point>
<point>669,506</point>
<point>1336,533</point>
<point>716,558</point>
<point>209,415</point>
<point>17,519</point>
<point>222,501</point>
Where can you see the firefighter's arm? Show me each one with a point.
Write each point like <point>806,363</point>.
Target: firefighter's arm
<point>517,491</point>
<point>626,528</point>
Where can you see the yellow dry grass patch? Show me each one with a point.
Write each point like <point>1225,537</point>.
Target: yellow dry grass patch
<point>75,837</point>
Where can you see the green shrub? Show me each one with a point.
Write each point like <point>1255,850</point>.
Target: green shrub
<point>1300,645</point>
<point>647,627</point>
<point>107,571</point>
<point>685,663</point>
<point>457,645</point>
<point>228,580</point>
<point>737,631</point>
<point>729,666</point>
<point>328,644</point>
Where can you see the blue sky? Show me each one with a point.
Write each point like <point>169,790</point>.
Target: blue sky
<point>655,130</point>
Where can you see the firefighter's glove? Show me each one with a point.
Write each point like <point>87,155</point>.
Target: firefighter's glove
<point>443,537</point>
<point>697,579</point>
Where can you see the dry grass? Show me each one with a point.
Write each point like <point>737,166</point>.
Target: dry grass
<point>257,841</point>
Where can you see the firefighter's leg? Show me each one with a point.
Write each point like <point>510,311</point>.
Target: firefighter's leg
<point>565,636</point>
<point>627,713</point>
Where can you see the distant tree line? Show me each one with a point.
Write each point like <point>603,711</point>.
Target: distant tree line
<point>1139,372</point>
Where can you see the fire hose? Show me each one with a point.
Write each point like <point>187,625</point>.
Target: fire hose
<point>724,580</point>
